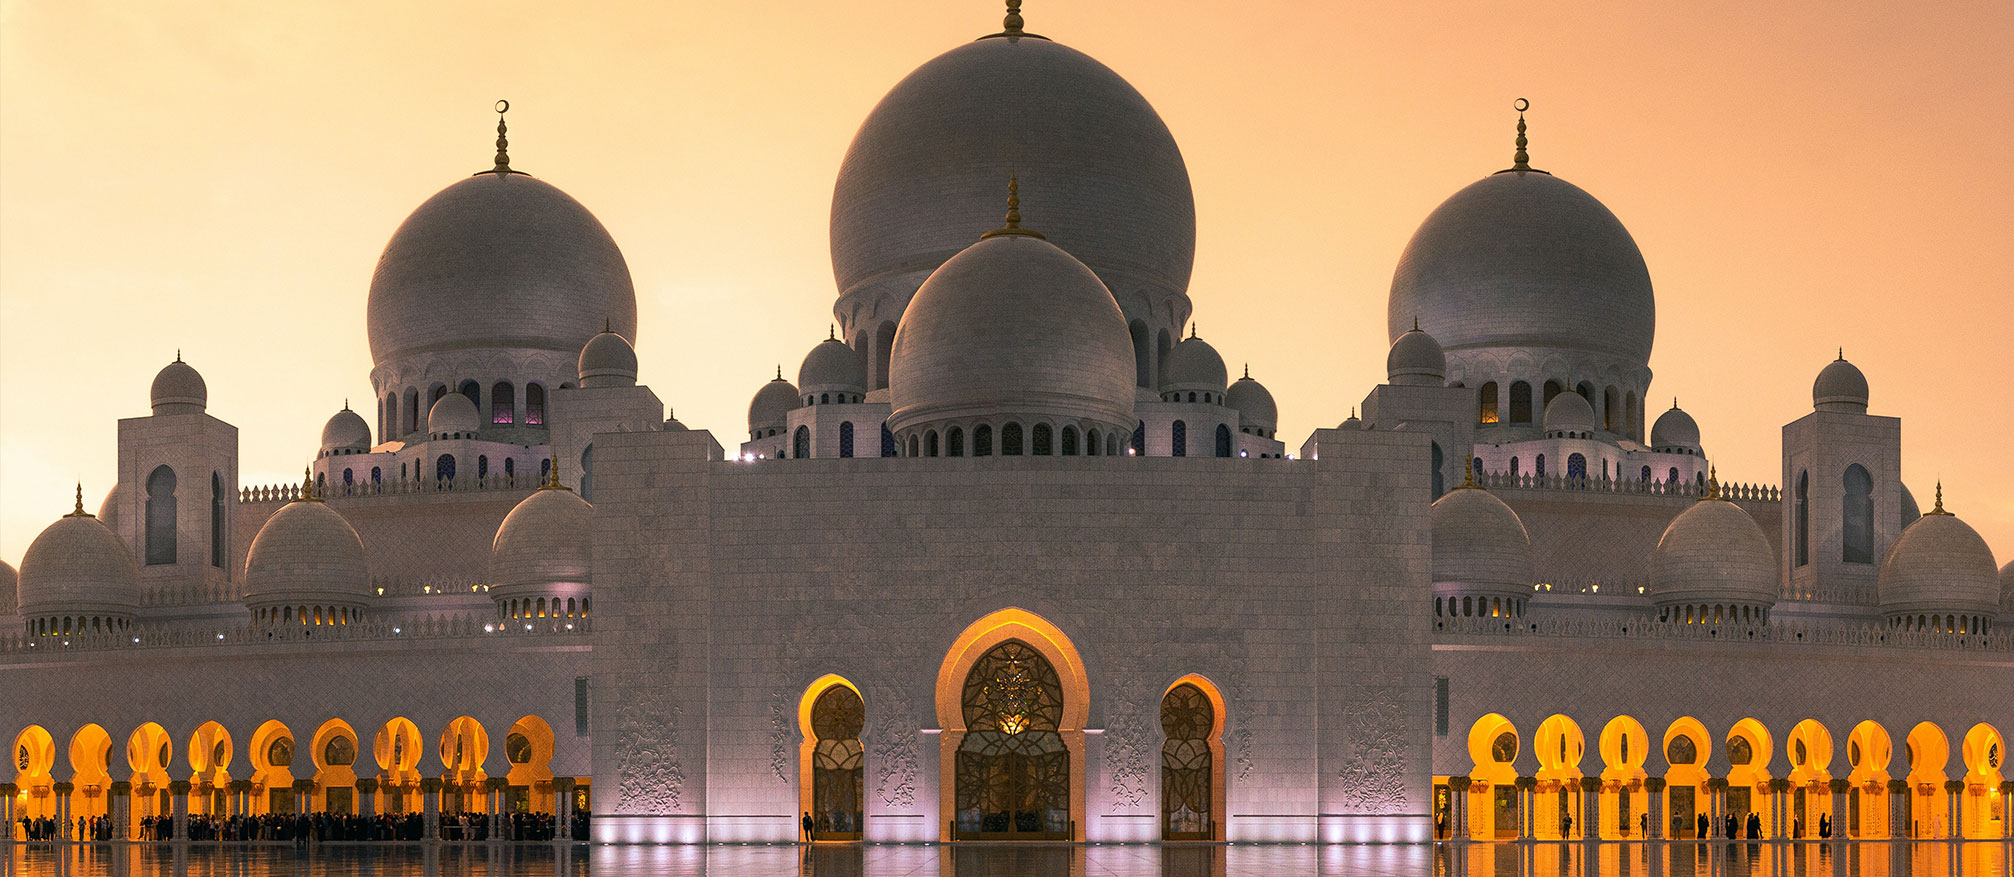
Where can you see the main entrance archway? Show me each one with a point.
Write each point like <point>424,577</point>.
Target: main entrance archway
<point>1011,697</point>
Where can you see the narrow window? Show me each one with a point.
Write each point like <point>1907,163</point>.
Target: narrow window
<point>887,441</point>
<point>1856,516</point>
<point>915,450</point>
<point>1069,441</point>
<point>1539,466</point>
<point>1010,439</point>
<point>1803,521</point>
<point>846,439</point>
<point>1552,389</point>
<point>1672,476</point>
<point>412,410</point>
<point>534,405</point>
<point>444,468</point>
<point>218,511</point>
<point>800,443</point>
<point>482,466</point>
<point>161,516</point>
<point>1645,477</point>
<point>474,392</point>
<point>1514,467</point>
<point>377,475</point>
<point>1140,440</point>
<point>955,442</point>
<point>544,469</point>
<point>1487,405</point>
<point>1042,440</point>
<point>1611,410</point>
<point>1576,466</point>
<point>1439,484</point>
<point>1178,439</point>
<point>1520,402</point>
<point>586,473</point>
<point>1223,440</point>
<point>930,443</point>
<point>982,440</point>
<point>1143,355</point>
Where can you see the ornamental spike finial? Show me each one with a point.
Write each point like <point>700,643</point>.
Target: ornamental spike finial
<point>1939,509</point>
<point>503,141</point>
<point>1013,226</point>
<point>1521,161</point>
<point>1012,24</point>
<point>1248,371</point>
<point>1712,483</point>
<point>79,512</point>
<point>779,371</point>
<point>831,332</point>
<point>552,476</point>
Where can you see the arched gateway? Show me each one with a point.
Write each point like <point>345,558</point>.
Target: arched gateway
<point>1012,699</point>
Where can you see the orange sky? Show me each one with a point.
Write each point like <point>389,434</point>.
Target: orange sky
<point>220,178</point>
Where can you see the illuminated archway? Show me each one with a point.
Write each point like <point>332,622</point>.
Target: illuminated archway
<point>1809,747</point>
<point>1929,751</point>
<point>272,757</point>
<point>1983,806</point>
<point>831,763</point>
<point>528,748</point>
<point>1686,745</point>
<point>984,640</point>
<point>149,752</point>
<point>1493,803</point>
<point>1748,756</point>
<point>1868,751</point>
<point>210,754</point>
<point>1192,760</point>
<point>91,772</point>
<point>1624,746</point>
<point>34,756</point>
<point>396,748</point>
<point>463,746</point>
<point>334,751</point>
<point>1556,802</point>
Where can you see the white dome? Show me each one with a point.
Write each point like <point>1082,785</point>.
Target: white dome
<point>498,262</point>
<point>1713,553</point>
<point>2007,589</point>
<point>772,404</point>
<point>1100,169</point>
<point>1254,404</point>
<point>1480,546</point>
<point>1568,412</point>
<point>453,414</point>
<point>1673,429</point>
<point>1193,365</point>
<point>832,367</point>
<point>1012,327</point>
<point>10,583</point>
<point>1840,387</point>
<point>1417,359</point>
<point>607,360</point>
<point>544,546</point>
<point>179,389</point>
<point>671,424</point>
<point>307,554</point>
<point>1501,263</point>
<point>78,567</point>
<point>346,431</point>
<point>1939,566</point>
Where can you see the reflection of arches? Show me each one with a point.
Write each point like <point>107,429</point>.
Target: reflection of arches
<point>1748,755</point>
<point>528,749</point>
<point>1983,806</point>
<point>1046,665</point>
<point>1192,760</point>
<point>90,772</point>
<point>1493,748</point>
<point>33,757</point>
<point>1685,800</point>
<point>1809,746</point>
<point>831,760</point>
<point>1624,746</point>
<point>1929,751</point>
<point>1868,751</point>
<point>334,752</point>
<point>396,748</point>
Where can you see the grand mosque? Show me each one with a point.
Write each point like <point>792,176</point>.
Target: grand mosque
<point>1014,555</point>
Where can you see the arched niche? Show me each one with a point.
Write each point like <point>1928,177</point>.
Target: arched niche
<point>976,642</point>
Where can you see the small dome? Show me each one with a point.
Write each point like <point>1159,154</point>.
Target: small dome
<point>1568,412</point>
<point>1480,546</point>
<point>108,510</point>
<point>10,584</point>
<point>178,389</point>
<point>1012,326</point>
<point>1713,553</point>
<point>671,424</point>
<point>607,360</point>
<point>1193,365</point>
<point>832,367</point>
<point>1939,566</point>
<point>545,544</point>
<point>1254,404</point>
<point>772,404</point>
<point>78,567</point>
<point>1840,387</point>
<point>1417,359</point>
<point>454,414</point>
<point>1673,429</point>
<point>346,431</point>
<point>307,554</point>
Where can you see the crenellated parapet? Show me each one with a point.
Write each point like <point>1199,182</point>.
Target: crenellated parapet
<point>1785,633</point>
<point>457,626</point>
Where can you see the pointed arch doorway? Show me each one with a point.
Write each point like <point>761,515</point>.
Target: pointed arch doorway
<point>1012,699</point>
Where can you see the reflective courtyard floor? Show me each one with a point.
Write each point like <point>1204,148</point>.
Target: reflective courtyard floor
<point>1872,859</point>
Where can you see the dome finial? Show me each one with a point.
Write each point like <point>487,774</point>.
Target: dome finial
<point>1939,510</point>
<point>1842,355</point>
<point>178,354</point>
<point>1712,483</point>
<point>831,332</point>
<point>1248,371</point>
<point>503,142</point>
<point>1416,322</point>
<point>1013,226</point>
<point>1192,329</point>
<point>1469,478</point>
<point>308,485</point>
<point>79,512</point>
<point>1521,160</point>
<point>1674,403</point>
<point>552,476</point>
<point>1012,24</point>
<point>607,326</point>
<point>779,371</point>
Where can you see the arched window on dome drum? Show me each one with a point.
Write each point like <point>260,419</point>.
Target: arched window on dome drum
<point>982,441</point>
<point>377,475</point>
<point>1645,477</point>
<point>800,443</point>
<point>1576,466</point>
<point>954,443</point>
<point>1486,404</point>
<point>1143,354</point>
<point>1092,446</point>
<point>1439,484</point>
<point>1538,466</point>
<point>930,447</point>
<point>510,470</point>
<point>915,447</point>
<point>534,405</point>
<point>1187,774</point>
<point>544,470</point>
<point>1802,526</point>
<point>587,473</point>
<point>884,344</point>
<point>161,516</point>
<point>388,418</point>
<point>1041,440</point>
<point>1223,440</point>
<point>1611,410</point>
<point>846,439</point>
<point>1013,769</point>
<point>838,769</point>
<point>887,441</point>
<point>1856,516</point>
<point>1140,440</point>
<point>444,470</point>
<point>1178,439</point>
<point>503,402</point>
<point>1552,389</point>
<point>1069,441</point>
<point>1520,402</point>
<point>219,510</point>
<point>1629,422</point>
<point>412,410</point>
<point>482,466</point>
<point>1010,439</point>
<point>1514,467</point>
<point>1162,345</point>
<point>473,392</point>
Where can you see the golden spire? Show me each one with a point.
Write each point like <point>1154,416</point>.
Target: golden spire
<point>1013,226</point>
<point>1416,322</point>
<point>1939,509</point>
<point>503,142</point>
<point>1521,160</point>
<point>779,371</point>
<point>607,326</point>
<point>1469,478</point>
<point>308,485</point>
<point>1248,371</point>
<point>831,332</point>
<point>80,512</point>
<point>1842,355</point>
<point>1712,484</point>
<point>552,476</point>
<point>1192,329</point>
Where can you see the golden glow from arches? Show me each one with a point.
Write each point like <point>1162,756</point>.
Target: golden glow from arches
<point>1929,752</point>
<point>1219,793</point>
<point>1816,763</point>
<point>333,776</point>
<point>1624,747</point>
<point>464,746</point>
<point>206,762</point>
<point>535,774</point>
<point>90,765</point>
<point>1983,806</point>
<point>807,740</point>
<point>973,643</point>
<point>1558,745</point>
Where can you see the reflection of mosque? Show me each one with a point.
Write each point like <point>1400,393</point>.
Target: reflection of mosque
<point>1012,558</point>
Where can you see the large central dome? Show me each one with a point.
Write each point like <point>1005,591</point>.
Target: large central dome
<point>498,261</point>
<point>922,179</point>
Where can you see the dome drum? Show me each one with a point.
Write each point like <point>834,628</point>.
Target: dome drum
<point>513,391</point>
<point>997,436</point>
<point>179,389</point>
<point>1714,565</point>
<point>1482,558</point>
<point>832,373</point>
<point>307,566</point>
<point>77,576</point>
<point>607,360</point>
<point>542,557</point>
<point>1939,576</point>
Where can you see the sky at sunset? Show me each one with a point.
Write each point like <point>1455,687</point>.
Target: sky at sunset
<point>219,178</point>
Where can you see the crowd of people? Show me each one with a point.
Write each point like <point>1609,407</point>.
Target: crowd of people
<point>301,828</point>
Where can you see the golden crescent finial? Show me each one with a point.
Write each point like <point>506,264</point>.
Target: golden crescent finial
<point>503,141</point>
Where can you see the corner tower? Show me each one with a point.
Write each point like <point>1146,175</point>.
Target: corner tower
<point>178,486</point>
<point>1842,490</point>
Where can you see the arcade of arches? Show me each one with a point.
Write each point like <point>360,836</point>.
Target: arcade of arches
<point>275,769</point>
<point>1776,783</point>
